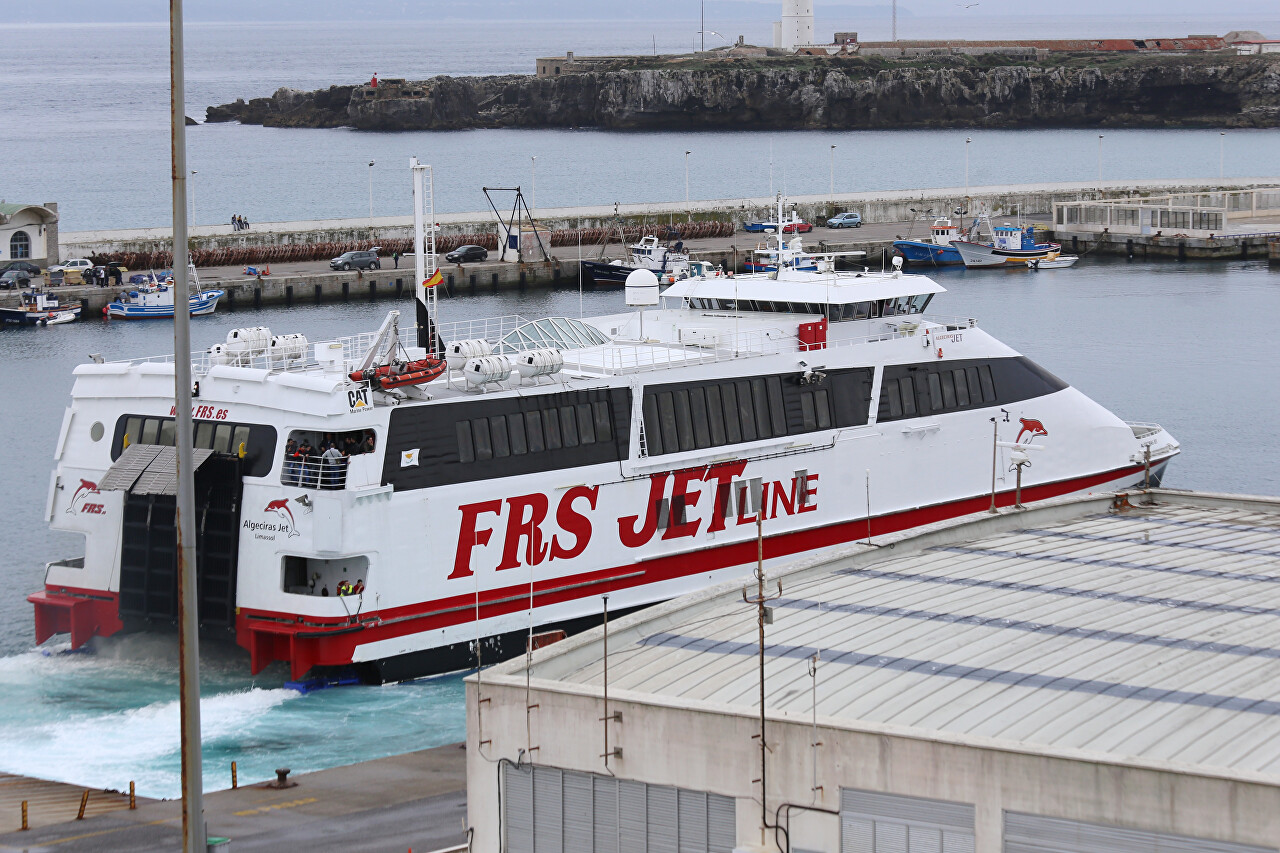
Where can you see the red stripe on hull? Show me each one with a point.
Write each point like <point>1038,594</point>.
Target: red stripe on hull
<point>82,613</point>
<point>306,642</point>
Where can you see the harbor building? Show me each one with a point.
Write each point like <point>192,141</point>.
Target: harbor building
<point>29,232</point>
<point>1099,674</point>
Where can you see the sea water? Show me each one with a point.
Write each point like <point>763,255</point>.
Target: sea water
<point>1187,345</point>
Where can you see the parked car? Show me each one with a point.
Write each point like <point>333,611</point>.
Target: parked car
<point>845,220</point>
<point>14,277</point>
<point>366,260</point>
<point>464,254</point>
<point>79,265</point>
<point>26,266</point>
<point>760,227</point>
<point>797,228</point>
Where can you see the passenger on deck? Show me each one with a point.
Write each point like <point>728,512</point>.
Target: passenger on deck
<point>332,473</point>
<point>310,465</point>
<point>351,446</point>
<point>292,463</point>
<point>369,442</point>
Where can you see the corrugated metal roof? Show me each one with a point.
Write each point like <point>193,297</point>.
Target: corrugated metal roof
<point>1149,634</point>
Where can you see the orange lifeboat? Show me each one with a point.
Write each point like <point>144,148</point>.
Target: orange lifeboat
<point>401,373</point>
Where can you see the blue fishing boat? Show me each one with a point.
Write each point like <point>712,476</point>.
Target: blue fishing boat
<point>937,251</point>
<point>155,299</point>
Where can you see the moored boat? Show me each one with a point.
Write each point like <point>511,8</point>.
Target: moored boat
<point>552,461</point>
<point>1012,245</point>
<point>937,250</point>
<point>667,262</point>
<point>39,308</point>
<point>154,298</point>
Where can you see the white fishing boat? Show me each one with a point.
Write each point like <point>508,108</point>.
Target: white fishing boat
<point>511,471</point>
<point>154,298</point>
<point>37,307</point>
<point>669,262</point>
<point>1059,263</point>
<point>1012,244</point>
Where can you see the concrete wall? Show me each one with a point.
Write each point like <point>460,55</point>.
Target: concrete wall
<point>713,750</point>
<point>893,206</point>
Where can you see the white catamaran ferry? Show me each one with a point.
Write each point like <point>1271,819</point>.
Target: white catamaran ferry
<point>488,470</point>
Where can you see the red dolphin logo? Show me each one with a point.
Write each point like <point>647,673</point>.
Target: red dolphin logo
<point>280,507</point>
<point>1032,426</point>
<point>85,489</point>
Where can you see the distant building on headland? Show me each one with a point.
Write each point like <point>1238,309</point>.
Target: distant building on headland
<point>29,232</point>
<point>796,26</point>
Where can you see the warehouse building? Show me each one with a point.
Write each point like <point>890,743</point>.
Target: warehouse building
<point>1092,675</point>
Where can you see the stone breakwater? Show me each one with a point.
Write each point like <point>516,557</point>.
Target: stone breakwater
<point>1181,91</point>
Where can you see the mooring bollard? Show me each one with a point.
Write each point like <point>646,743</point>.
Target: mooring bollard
<point>133,797</point>
<point>234,783</point>
<point>84,801</point>
<point>24,816</point>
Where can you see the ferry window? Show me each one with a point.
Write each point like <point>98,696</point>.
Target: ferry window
<point>240,438</point>
<point>150,429</point>
<point>962,387</point>
<point>698,413</point>
<point>715,415</point>
<point>777,414</point>
<point>568,426</point>
<point>889,398</point>
<point>684,422</point>
<point>133,429</point>
<point>745,414</point>
<point>732,432</point>
<point>604,429</point>
<point>822,403</point>
<point>653,433</point>
<point>761,401</point>
<point>222,438</point>
<point>480,435</point>
<point>948,390</point>
<point>908,390</point>
<point>204,435</point>
<point>807,414</point>
<point>551,428</point>
<point>863,311</point>
<point>586,427</point>
<point>515,426</point>
<point>975,385</point>
<point>498,432</point>
<point>667,422</point>
<point>533,426</point>
<point>935,392</point>
<point>466,450</point>
<point>169,434</point>
<point>988,386</point>
<point>920,302</point>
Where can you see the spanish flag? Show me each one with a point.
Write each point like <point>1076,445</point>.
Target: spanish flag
<point>434,280</point>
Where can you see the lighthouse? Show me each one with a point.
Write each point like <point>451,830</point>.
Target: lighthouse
<point>796,26</point>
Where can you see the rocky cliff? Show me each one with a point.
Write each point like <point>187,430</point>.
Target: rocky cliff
<point>832,93</point>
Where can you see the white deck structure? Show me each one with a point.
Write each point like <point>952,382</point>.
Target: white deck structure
<point>1087,676</point>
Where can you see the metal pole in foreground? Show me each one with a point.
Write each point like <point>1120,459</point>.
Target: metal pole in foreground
<point>193,831</point>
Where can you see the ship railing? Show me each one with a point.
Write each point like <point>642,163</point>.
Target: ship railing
<point>642,356</point>
<point>315,472</point>
<point>492,329</point>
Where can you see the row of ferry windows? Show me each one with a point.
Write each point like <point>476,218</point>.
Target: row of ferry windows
<point>519,433</point>
<point>733,411</point>
<point>834,312</point>
<point>938,391</point>
<point>218,437</point>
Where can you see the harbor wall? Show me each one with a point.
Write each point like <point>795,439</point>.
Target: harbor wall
<point>875,207</point>
<point>1180,247</point>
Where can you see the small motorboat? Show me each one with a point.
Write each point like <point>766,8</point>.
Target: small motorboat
<point>1058,263</point>
<point>38,308</point>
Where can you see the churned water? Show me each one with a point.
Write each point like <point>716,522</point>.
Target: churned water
<point>1187,345</point>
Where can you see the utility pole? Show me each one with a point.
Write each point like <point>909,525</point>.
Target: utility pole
<point>1099,160</point>
<point>832,190</point>
<point>702,27</point>
<point>193,197</point>
<point>194,836</point>
<point>688,214</point>
<point>967,140</point>
<point>533,194</point>
<point>895,20</point>
<point>763,615</point>
<point>370,193</point>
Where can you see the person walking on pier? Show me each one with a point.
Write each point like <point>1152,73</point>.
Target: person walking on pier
<point>395,256</point>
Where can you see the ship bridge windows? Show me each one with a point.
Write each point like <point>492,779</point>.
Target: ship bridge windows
<point>254,443</point>
<point>836,312</point>
<point>935,388</point>
<point>697,416</point>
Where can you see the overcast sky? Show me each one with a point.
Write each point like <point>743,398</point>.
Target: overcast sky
<point>63,11</point>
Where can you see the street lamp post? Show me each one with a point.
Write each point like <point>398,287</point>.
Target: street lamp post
<point>832,189</point>
<point>688,214</point>
<point>967,140</point>
<point>193,198</point>
<point>533,193</point>
<point>371,193</point>
<point>1222,154</point>
<point>1099,160</point>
